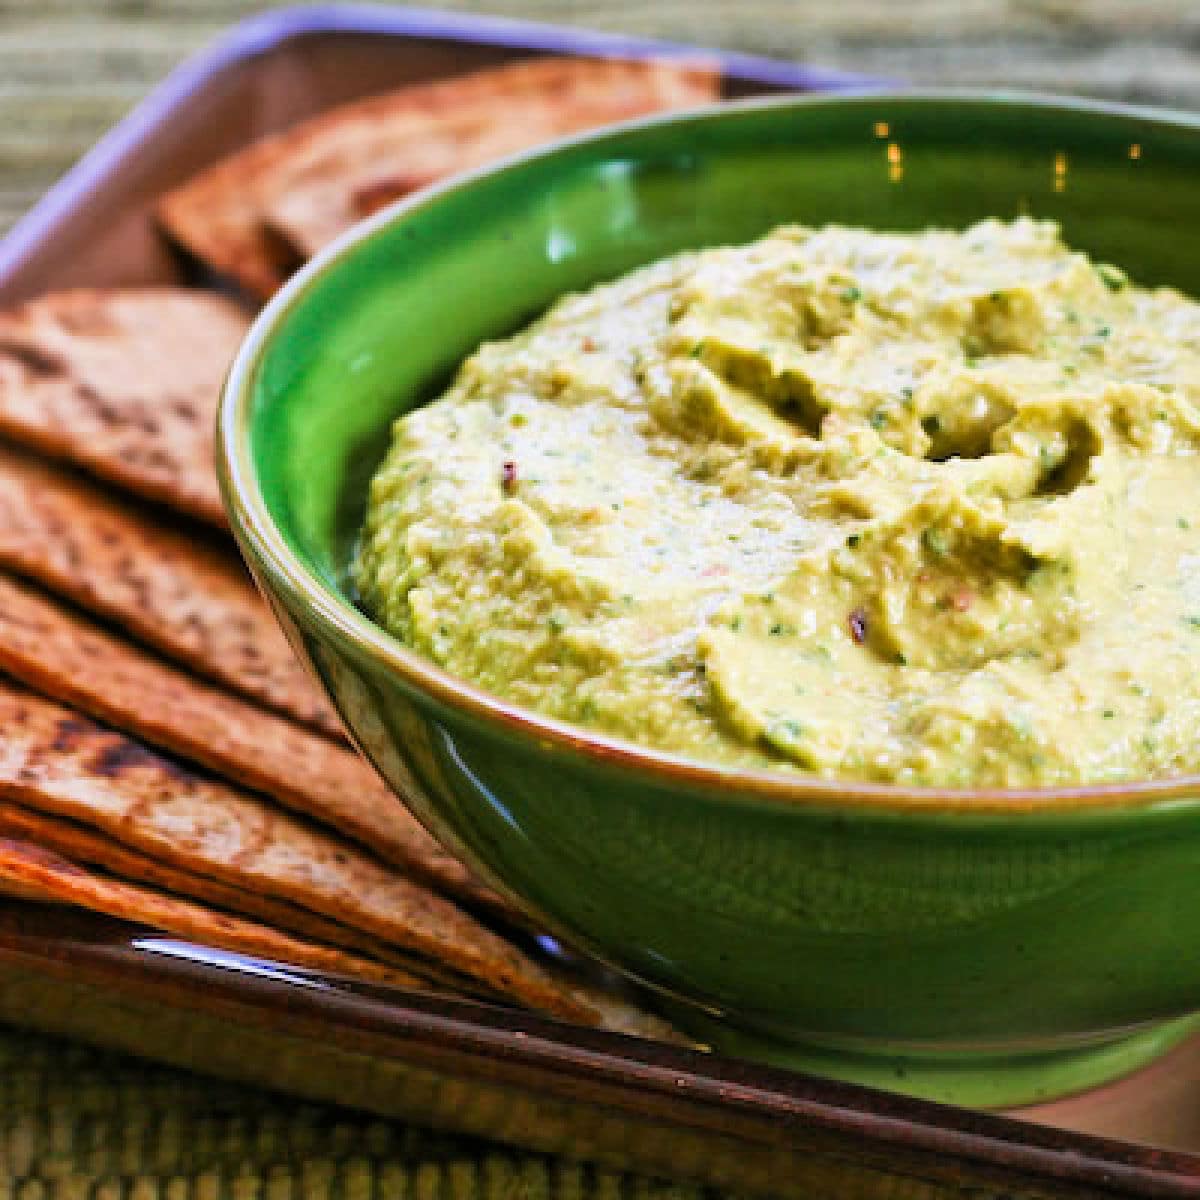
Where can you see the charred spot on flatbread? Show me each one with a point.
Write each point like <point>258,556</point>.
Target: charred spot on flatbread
<point>123,383</point>
<point>185,596</point>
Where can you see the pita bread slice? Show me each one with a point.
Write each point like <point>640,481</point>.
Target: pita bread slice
<point>123,383</point>
<point>348,174</point>
<point>185,597</point>
<point>65,656</point>
<point>53,760</point>
<point>32,872</point>
<point>84,846</point>
<point>256,215</point>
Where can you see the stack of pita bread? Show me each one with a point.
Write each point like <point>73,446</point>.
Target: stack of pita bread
<point>163,756</point>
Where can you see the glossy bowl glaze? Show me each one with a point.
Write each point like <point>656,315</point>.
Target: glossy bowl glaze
<point>986,947</point>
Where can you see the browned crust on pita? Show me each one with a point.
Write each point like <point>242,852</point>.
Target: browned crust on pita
<point>310,182</point>
<point>372,163</point>
<point>53,760</point>
<point>87,847</point>
<point>124,384</point>
<point>34,872</point>
<point>65,656</point>
<point>186,598</point>
<point>83,846</point>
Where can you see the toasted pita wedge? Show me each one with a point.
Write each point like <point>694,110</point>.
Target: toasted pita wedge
<point>85,846</point>
<point>171,590</point>
<point>258,214</point>
<point>82,846</point>
<point>124,384</point>
<point>35,873</point>
<point>53,760</point>
<point>375,162</point>
<point>67,657</point>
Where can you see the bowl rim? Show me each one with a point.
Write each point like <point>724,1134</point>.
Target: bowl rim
<point>265,547</point>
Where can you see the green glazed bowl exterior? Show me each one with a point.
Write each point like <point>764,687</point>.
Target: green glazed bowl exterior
<point>989,947</point>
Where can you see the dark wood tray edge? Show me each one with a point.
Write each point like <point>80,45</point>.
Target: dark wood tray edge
<point>475,1068</point>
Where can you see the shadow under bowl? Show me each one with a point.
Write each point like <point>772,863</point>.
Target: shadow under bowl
<point>987,948</point>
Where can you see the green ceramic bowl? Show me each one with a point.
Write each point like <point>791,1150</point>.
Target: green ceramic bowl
<point>991,948</point>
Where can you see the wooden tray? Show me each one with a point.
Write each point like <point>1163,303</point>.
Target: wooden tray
<point>449,1062</point>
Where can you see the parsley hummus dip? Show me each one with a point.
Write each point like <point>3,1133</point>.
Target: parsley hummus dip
<point>916,508</point>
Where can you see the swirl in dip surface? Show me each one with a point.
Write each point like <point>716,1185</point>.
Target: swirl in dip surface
<point>917,508</point>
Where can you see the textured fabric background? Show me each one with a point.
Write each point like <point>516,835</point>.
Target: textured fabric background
<point>83,1124</point>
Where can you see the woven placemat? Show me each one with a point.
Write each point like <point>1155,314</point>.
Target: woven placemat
<point>78,1123</point>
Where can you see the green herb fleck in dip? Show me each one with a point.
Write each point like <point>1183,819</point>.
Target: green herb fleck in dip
<point>919,508</point>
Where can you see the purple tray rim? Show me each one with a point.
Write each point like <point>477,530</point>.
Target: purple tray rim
<point>266,32</point>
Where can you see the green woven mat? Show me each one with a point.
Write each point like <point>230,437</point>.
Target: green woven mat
<point>83,1124</point>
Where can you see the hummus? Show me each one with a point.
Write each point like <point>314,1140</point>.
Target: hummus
<point>919,508</point>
